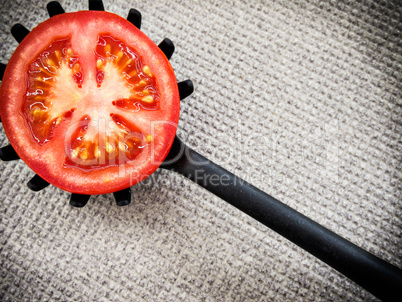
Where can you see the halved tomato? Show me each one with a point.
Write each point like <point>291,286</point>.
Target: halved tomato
<point>90,103</point>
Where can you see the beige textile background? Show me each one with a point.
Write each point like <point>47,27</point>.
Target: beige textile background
<point>302,98</point>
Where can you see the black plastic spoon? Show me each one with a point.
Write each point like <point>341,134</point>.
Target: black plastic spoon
<point>372,273</point>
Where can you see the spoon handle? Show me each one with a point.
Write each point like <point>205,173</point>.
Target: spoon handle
<point>372,273</point>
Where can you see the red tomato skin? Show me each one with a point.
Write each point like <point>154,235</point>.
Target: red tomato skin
<point>47,160</point>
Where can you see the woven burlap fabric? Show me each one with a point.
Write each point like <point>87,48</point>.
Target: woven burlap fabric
<point>301,98</point>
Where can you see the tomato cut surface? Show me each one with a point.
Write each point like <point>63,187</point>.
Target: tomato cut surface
<point>89,102</point>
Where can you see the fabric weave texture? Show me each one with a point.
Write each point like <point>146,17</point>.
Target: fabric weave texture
<point>302,98</point>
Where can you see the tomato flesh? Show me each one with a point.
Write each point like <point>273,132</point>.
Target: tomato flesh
<point>48,103</point>
<point>95,103</point>
<point>42,75</point>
